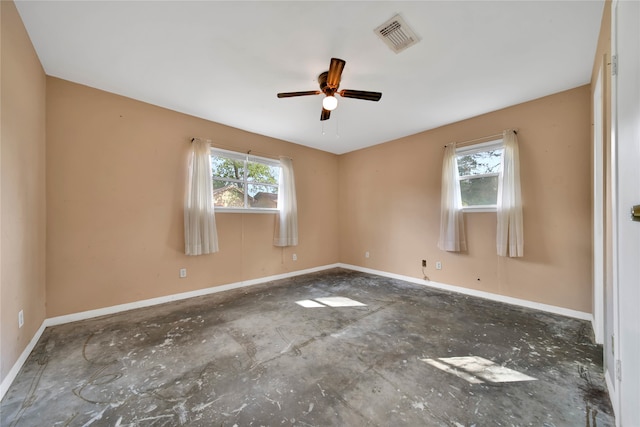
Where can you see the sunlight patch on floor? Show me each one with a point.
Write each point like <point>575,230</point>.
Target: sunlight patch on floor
<point>477,370</point>
<point>330,302</point>
<point>307,303</point>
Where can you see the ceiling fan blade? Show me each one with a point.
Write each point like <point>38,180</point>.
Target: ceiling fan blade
<point>335,71</point>
<point>361,94</point>
<point>325,114</point>
<point>291,94</point>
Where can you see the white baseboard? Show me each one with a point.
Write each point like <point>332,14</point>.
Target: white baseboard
<point>597,330</point>
<point>83,315</point>
<point>13,373</point>
<point>475,293</point>
<point>613,396</point>
<point>74,317</point>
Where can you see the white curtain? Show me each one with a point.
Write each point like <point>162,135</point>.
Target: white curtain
<point>286,230</point>
<point>510,237</point>
<point>452,236</point>
<point>200,235</point>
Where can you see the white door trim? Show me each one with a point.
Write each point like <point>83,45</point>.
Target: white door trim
<point>598,210</point>
<point>626,129</point>
<point>612,379</point>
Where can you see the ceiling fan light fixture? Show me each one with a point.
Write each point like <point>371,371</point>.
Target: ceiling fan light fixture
<point>330,103</point>
<point>329,82</point>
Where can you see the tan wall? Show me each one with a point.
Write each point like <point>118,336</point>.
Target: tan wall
<point>389,204</point>
<point>115,184</point>
<point>22,178</point>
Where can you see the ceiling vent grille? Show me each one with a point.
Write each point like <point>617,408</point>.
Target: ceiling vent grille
<point>396,34</point>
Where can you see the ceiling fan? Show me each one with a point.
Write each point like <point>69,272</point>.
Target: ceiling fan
<point>329,82</point>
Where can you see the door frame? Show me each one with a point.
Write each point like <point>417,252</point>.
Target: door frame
<point>625,131</point>
<point>613,381</point>
<point>599,267</point>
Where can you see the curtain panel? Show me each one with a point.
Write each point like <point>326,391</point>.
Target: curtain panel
<point>200,235</point>
<point>286,229</point>
<point>510,233</point>
<point>452,236</point>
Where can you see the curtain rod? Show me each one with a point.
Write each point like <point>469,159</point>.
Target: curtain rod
<point>248,152</point>
<point>470,141</point>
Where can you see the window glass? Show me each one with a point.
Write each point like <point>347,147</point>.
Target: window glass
<point>243,181</point>
<point>479,169</point>
<point>226,167</point>
<point>262,172</point>
<point>479,191</point>
<point>480,163</point>
<point>263,196</point>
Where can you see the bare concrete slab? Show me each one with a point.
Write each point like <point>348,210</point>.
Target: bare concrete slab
<point>280,354</point>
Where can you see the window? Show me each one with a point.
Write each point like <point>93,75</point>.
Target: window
<point>244,182</point>
<point>479,169</point>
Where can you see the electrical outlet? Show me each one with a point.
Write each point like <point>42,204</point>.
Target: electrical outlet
<point>366,254</point>
<point>183,273</point>
<point>295,257</point>
<point>20,319</point>
<point>438,265</point>
<point>424,262</point>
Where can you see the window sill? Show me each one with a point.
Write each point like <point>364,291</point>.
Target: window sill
<point>245,211</point>
<point>471,209</point>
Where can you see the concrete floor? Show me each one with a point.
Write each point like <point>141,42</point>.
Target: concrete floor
<point>254,357</point>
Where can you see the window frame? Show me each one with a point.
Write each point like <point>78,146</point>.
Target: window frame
<point>494,144</point>
<point>234,155</point>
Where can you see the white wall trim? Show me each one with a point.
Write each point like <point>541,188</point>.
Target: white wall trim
<point>611,389</point>
<point>598,209</point>
<point>84,315</point>
<point>480,294</point>
<point>13,373</point>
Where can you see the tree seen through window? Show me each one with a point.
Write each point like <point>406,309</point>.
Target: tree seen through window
<point>244,181</point>
<point>478,173</point>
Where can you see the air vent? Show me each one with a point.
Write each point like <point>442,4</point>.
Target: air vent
<point>396,34</point>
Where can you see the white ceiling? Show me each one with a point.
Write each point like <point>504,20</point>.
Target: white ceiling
<point>225,60</point>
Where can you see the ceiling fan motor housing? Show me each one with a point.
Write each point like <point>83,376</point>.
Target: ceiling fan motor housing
<point>324,87</point>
